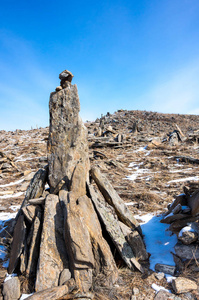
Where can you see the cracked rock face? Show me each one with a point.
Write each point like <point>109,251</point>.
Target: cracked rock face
<point>67,145</point>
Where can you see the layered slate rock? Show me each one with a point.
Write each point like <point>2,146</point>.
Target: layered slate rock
<point>67,144</point>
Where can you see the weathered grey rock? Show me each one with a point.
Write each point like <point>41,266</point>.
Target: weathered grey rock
<point>37,184</point>
<point>29,212</point>
<point>67,144</point>
<point>64,276</point>
<point>66,75</point>
<point>114,200</point>
<point>53,256</point>
<point>55,292</point>
<point>88,251</point>
<point>159,275</point>
<point>166,269</point>
<point>135,241</point>
<point>193,203</point>
<point>110,220</point>
<point>58,88</point>
<point>186,236</point>
<point>17,243</point>
<point>164,295</point>
<point>173,217</point>
<point>187,251</point>
<point>38,201</point>
<point>181,199</point>
<point>35,237</point>
<point>5,166</point>
<point>177,209</point>
<point>11,289</point>
<point>179,224</point>
<point>183,285</point>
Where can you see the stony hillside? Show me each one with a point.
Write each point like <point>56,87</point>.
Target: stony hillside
<point>147,156</point>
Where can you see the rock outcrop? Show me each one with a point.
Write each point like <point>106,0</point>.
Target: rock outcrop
<point>67,228</point>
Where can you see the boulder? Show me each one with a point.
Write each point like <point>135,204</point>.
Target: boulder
<point>135,241</point>
<point>193,202</point>
<point>187,251</point>
<point>66,75</point>
<point>183,285</point>
<point>11,289</point>
<point>187,235</point>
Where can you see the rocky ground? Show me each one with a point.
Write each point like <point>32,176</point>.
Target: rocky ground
<point>147,156</point>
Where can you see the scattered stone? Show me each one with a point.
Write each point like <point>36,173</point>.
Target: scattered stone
<point>183,285</point>
<point>11,289</point>
<point>187,235</point>
<point>193,202</point>
<point>187,251</point>
<point>159,275</point>
<point>135,241</point>
<point>54,293</point>
<point>58,88</point>
<point>166,269</point>
<point>66,75</point>
<point>64,276</point>
<point>164,295</point>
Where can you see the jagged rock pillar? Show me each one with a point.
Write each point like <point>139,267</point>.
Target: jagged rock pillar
<point>67,145</point>
<point>69,166</point>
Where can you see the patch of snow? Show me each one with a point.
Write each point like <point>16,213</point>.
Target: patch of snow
<point>138,173</point>
<point>12,183</point>
<point>5,216</point>
<point>157,288</point>
<point>184,170</point>
<point>24,296</point>
<point>9,276</point>
<point>130,203</point>
<point>135,164</point>
<point>141,149</point>
<point>158,239</point>
<point>193,178</point>
<point>15,207</point>
<point>12,195</point>
<point>169,278</point>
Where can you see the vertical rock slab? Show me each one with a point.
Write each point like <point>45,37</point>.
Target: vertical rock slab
<point>53,256</point>
<point>67,143</point>
<point>88,251</point>
<point>114,200</point>
<point>77,241</point>
<point>17,243</point>
<point>35,243</point>
<point>110,220</point>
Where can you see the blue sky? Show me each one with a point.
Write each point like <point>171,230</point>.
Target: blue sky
<point>124,54</point>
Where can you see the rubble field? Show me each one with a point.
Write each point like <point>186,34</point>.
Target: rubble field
<point>150,159</point>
